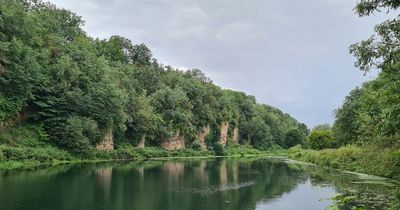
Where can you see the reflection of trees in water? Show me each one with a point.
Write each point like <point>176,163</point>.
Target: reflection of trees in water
<point>104,176</point>
<point>60,187</point>
<point>202,172</point>
<point>174,171</point>
<point>206,184</point>
<point>151,185</point>
<point>272,179</point>
<point>223,174</point>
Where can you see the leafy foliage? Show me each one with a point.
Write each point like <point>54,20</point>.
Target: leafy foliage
<point>79,88</point>
<point>371,113</point>
<point>320,139</point>
<point>294,137</point>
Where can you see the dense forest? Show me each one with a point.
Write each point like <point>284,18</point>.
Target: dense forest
<point>78,93</point>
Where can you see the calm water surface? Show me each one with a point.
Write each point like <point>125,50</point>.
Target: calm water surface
<point>269,183</point>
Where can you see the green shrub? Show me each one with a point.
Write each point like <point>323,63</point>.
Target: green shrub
<point>1,155</point>
<point>241,150</point>
<point>196,145</point>
<point>219,149</point>
<point>368,159</point>
<point>320,139</point>
<point>293,138</point>
<point>42,155</point>
<point>296,148</point>
<point>23,135</point>
<point>77,134</point>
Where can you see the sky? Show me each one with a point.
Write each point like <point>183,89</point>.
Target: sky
<point>293,55</point>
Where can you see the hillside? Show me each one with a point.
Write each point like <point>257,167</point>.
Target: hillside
<point>61,88</point>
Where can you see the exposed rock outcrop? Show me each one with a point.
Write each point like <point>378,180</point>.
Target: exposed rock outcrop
<point>235,138</point>
<point>20,118</point>
<point>107,143</point>
<point>142,142</point>
<point>175,143</point>
<point>224,133</point>
<point>202,136</point>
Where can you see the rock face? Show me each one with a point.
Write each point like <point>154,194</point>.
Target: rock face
<point>142,142</point>
<point>175,143</point>
<point>107,143</point>
<point>20,118</point>
<point>235,138</point>
<point>224,133</point>
<point>202,136</point>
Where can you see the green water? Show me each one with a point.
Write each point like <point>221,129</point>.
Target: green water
<point>240,184</point>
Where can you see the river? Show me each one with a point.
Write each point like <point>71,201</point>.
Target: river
<point>209,184</point>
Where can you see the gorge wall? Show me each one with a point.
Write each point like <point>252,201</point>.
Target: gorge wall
<point>175,143</point>
<point>223,139</point>
<point>107,143</point>
<point>19,119</point>
<point>235,137</point>
<point>142,142</point>
<point>202,136</point>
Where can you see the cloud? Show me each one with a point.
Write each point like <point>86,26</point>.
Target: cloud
<point>290,54</point>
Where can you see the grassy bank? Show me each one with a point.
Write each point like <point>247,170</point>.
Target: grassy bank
<point>14,157</point>
<point>374,160</point>
<point>25,157</point>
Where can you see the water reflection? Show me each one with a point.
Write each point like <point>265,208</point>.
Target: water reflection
<point>103,177</point>
<point>206,184</point>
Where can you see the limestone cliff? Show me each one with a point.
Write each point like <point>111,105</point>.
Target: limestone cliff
<point>142,142</point>
<point>175,143</point>
<point>107,143</point>
<point>235,137</point>
<point>223,133</point>
<point>202,136</point>
<point>20,118</point>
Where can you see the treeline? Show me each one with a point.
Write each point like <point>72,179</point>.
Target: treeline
<point>366,131</point>
<point>371,113</point>
<point>80,89</point>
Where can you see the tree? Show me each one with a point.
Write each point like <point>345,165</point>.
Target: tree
<point>77,87</point>
<point>143,121</point>
<point>140,55</point>
<point>293,138</point>
<point>346,126</point>
<point>322,127</point>
<point>175,108</point>
<point>381,50</point>
<point>374,112</point>
<point>320,139</point>
<point>367,7</point>
<point>115,49</point>
<point>259,133</point>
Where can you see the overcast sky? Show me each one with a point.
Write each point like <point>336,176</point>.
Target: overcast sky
<point>289,54</point>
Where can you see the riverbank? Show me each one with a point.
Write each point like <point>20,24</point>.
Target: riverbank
<point>368,160</point>
<point>15,157</point>
<point>373,160</point>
